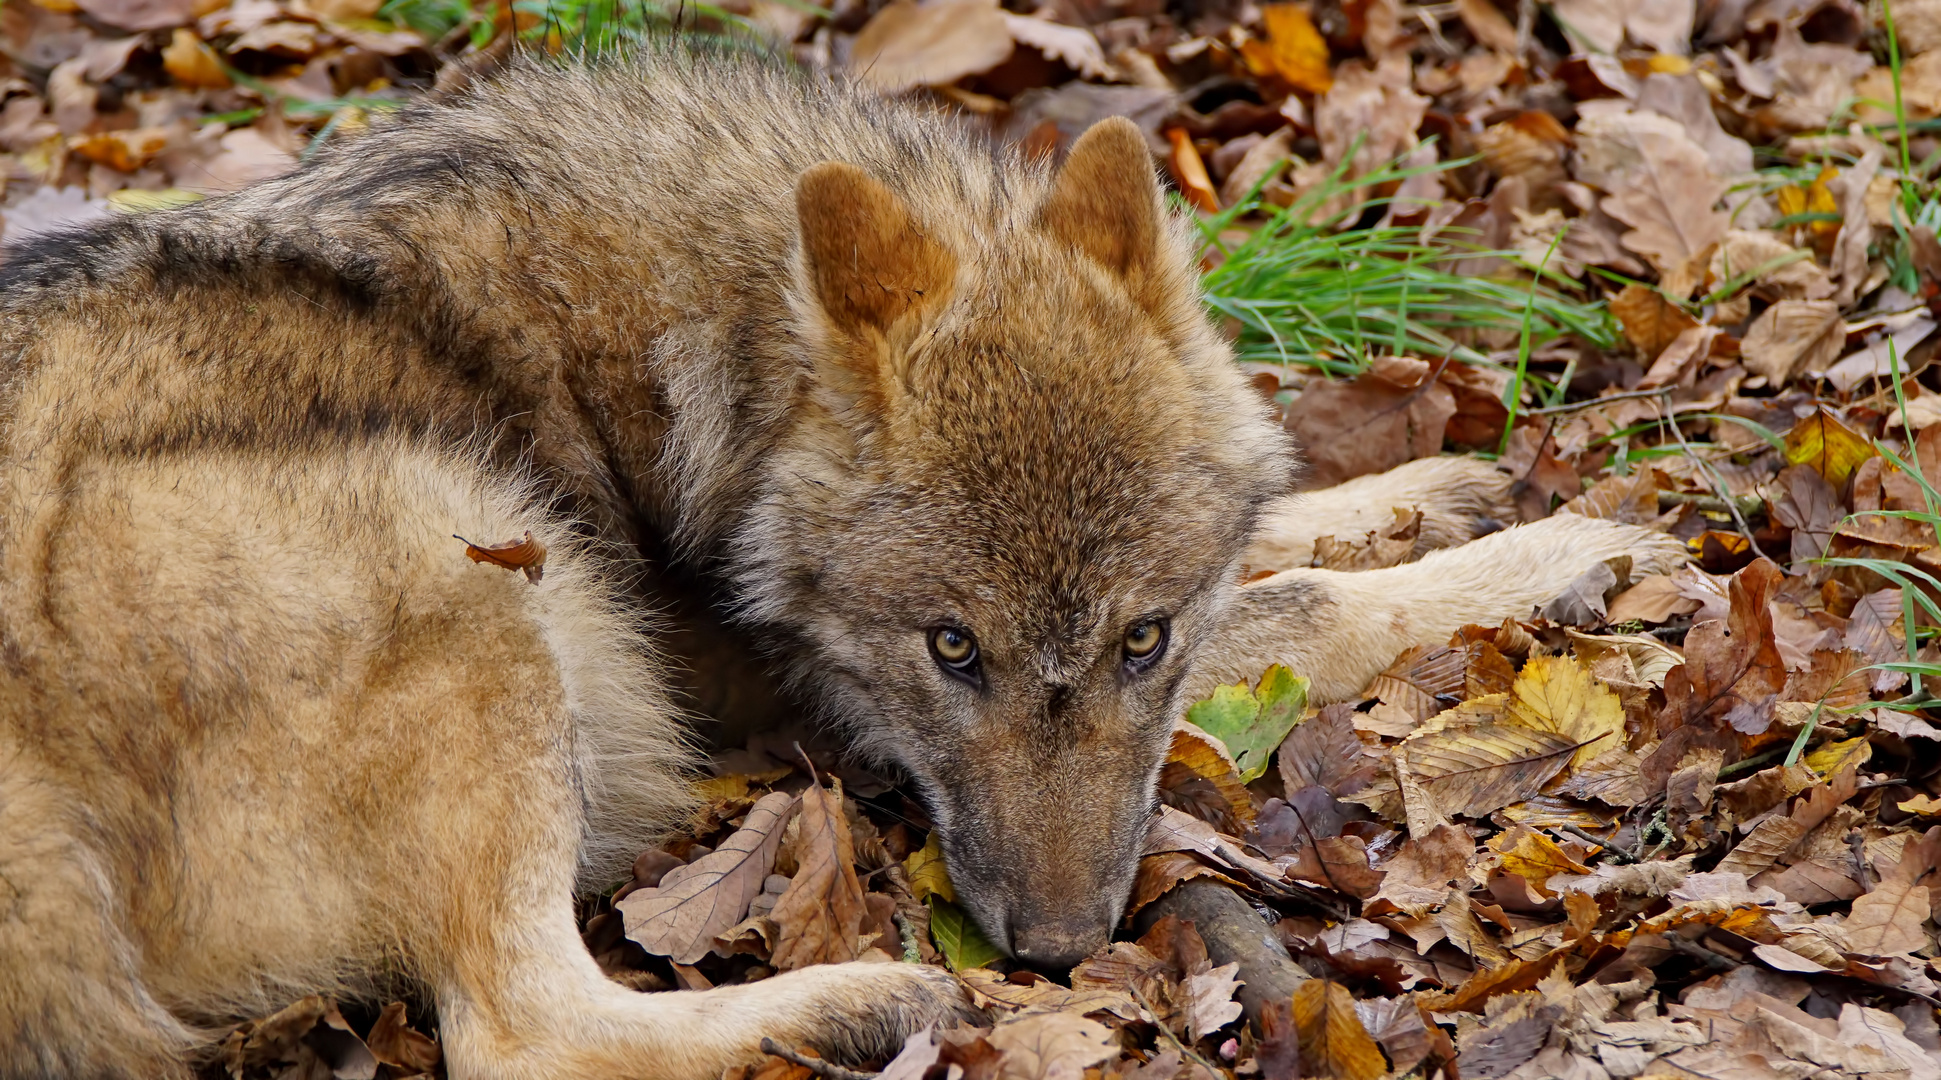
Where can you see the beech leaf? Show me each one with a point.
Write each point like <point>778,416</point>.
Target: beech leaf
<point>680,917</point>
<point>1334,1044</point>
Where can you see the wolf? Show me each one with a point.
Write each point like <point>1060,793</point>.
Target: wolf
<point>939,433</point>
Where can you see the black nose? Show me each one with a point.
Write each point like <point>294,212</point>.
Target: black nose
<point>1058,944</point>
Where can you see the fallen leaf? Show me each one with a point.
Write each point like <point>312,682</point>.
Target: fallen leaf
<point>140,15</point>
<point>1650,322</point>
<point>1042,995</point>
<point>1793,336</point>
<point>1536,858</point>
<point>1473,771</point>
<point>1051,1046</point>
<point>394,1043</point>
<point>1334,1044</point>
<point>1250,723</point>
<point>964,945</point>
<point>1555,693</point>
<point>1206,998</point>
<point>1889,919</point>
<point>1832,448</point>
<point>680,917</point>
<point>1295,50</point>
<point>819,919</point>
<point>1324,751</point>
<point>525,555</point>
<point>907,45</point>
<point>192,63</point>
<point>926,871</point>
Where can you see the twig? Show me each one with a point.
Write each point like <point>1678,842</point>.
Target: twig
<point>1702,954</point>
<point>1746,503</point>
<point>1184,1050</point>
<point>1711,477</point>
<point>907,934</point>
<point>1605,846</point>
<point>1591,403</point>
<point>824,1069</point>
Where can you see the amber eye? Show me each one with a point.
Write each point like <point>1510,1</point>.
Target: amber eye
<point>1145,641</point>
<point>954,649</point>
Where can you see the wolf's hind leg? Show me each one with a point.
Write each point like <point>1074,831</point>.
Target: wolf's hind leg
<point>1341,629</point>
<point>1460,498</point>
<point>72,1002</point>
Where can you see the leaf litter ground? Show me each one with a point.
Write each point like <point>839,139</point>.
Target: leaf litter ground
<point>1664,261</point>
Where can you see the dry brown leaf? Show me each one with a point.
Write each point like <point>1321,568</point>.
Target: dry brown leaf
<point>393,1042</point>
<point>1324,751</point>
<point>1793,336</point>
<point>907,45</point>
<point>1670,211</point>
<point>1206,998</point>
<point>1368,425</point>
<point>1334,1044</point>
<point>1422,870</point>
<point>192,63</point>
<point>680,917</point>
<point>1650,321</point>
<point>1198,769</point>
<point>990,988</point>
<point>819,920</point>
<point>526,555</point>
<point>1159,872</point>
<point>1487,24</point>
<point>1391,545</point>
<point>1889,919</point>
<point>1473,771</point>
<point>1780,270</point>
<point>1051,1046</point>
<point>140,15</point>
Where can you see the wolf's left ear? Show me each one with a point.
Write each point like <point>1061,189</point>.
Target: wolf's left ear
<point>868,262</point>
<point>1105,201</point>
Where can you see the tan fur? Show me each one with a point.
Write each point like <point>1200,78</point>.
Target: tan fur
<point>765,361</point>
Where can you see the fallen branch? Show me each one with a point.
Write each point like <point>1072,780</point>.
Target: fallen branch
<point>824,1069</point>
<point>1234,934</point>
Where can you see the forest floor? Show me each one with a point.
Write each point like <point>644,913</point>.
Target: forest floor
<point>1668,261</point>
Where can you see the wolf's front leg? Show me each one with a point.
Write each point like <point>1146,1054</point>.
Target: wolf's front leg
<point>1460,498</point>
<point>1341,629</point>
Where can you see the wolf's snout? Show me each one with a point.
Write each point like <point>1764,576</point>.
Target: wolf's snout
<point>1058,943</point>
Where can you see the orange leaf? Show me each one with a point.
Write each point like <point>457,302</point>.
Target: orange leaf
<point>1297,50</point>
<point>1190,172</point>
<point>526,555</point>
<point>1334,1044</point>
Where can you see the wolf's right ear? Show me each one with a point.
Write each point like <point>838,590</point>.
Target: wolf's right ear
<point>868,262</point>
<point>1105,201</point>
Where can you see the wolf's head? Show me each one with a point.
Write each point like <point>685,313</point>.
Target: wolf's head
<point>1013,512</point>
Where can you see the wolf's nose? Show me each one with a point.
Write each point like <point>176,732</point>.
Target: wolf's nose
<point>1059,943</point>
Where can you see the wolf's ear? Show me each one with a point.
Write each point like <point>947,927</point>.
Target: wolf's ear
<point>868,262</point>
<point>1105,201</point>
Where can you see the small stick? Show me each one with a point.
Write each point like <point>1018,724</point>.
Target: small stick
<point>1603,846</point>
<point>826,1070</point>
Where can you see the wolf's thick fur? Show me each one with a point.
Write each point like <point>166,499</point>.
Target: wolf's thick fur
<point>731,342</point>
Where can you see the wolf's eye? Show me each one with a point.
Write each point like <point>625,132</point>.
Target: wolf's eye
<point>955,651</point>
<point>1144,643</point>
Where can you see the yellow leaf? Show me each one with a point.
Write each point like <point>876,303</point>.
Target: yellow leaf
<point>1834,756</point>
<point>1202,755</point>
<point>1296,48</point>
<point>137,200</point>
<point>1832,449</point>
<point>1554,693</point>
<point>928,876</point>
<point>1534,857</point>
<point>1924,805</point>
<point>1334,1044</point>
<point>192,63</point>
<point>1668,64</point>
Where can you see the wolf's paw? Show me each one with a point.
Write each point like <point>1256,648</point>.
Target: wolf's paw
<point>1578,543</point>
<point>1460,499</point>
<point>868,1010</point>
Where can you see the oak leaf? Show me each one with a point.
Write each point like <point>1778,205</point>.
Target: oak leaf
<point>680,917</point>
<point>1793,336</point>
<point>1649,321</point>
<point>1039,994</point>
<point>1051,1046</point>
